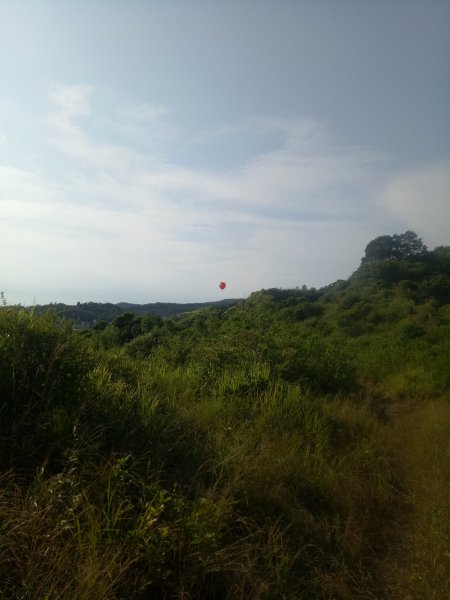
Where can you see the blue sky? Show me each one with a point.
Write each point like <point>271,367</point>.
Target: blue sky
<point>151,149</point>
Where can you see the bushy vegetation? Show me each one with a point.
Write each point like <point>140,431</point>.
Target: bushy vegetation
<point>266,450</point>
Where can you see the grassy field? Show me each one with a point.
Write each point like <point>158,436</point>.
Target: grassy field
<point>418,564</point>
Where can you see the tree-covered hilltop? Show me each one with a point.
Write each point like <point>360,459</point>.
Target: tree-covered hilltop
<point>290,446</point>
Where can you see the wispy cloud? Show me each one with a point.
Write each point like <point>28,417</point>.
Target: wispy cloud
<point>145,112</point>
<point>70,104</point>
<point>304,174</point>
<point>70,101</point>
<point>121,217</point>
<point>304,168</point>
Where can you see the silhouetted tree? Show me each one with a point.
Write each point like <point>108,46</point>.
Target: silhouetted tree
<point>402,246</point>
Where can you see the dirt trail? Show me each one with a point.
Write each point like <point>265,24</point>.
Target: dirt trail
<point>417,566</point>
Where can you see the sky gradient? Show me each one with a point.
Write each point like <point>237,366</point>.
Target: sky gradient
<point>151,149</point>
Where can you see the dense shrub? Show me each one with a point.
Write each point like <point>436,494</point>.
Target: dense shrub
<point>321,366</point>
<point>43,376</point>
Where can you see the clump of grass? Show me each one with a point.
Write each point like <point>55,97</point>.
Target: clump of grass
<point>46,549</point>
<point>319,468</point>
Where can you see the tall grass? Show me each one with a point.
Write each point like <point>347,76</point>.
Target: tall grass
<point>127,477</point>
<point>419,566</point>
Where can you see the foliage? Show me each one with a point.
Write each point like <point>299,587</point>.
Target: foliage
<point>90,313</point>
<point>43,371</point>
<point>396,247</point>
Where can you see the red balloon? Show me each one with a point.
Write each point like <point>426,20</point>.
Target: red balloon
<point>222,285</point>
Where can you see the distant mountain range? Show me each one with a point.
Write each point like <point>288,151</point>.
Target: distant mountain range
<point>91,312</point>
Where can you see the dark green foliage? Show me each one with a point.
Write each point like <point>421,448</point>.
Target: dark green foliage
<point>307,310</point>
<point>100,325</point>
<point>83,312</point>
<point>144,345</point>
<point>43,371</point>
<point>317,364</point>
<point>90,313</point>
<point>125,328</point>
<point>436,287</point>
<point>396,247</point>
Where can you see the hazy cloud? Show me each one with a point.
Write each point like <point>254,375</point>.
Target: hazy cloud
<point>420,200</point>
<point>71,101</point>
<point>145,112</point>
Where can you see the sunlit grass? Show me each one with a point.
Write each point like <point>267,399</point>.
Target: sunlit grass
<point>223,471</point>
<point>419,568</point>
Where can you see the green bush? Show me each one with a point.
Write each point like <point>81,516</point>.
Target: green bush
<point>319,365</point>
<point>43,376</point>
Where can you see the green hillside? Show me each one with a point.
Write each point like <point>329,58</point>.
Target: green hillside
<point>294,445</point>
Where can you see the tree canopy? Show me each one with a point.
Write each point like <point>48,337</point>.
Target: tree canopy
<point>403,246</point>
